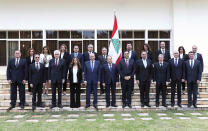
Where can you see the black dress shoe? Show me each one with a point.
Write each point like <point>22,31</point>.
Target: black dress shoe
<point>195,106</point>
<point>52,106</point>
<point>172,105</point>
<point>114,106</point>
<point>164,105</point>
<point>129,105</point>
<point>87,106</point>
<point>10,108</point>
<point>157,105</point>
<point>60,106</point>
<point>189,105</point>
<point>148,105</point>
<point>96,108</point>
<point>33,108</point>
<point>22,107</point>
<point>179,105</point>
<point>124,105</point>
<point>107,106</point>
<point>142,105</point>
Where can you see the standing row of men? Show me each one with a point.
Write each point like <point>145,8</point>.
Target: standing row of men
<point>100,71</point>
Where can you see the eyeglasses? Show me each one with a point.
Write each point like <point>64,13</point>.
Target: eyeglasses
<point>37,57</point>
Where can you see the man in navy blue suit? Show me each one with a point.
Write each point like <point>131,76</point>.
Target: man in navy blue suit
<point>164,52</point>
<point>126,68</point>
<point>76,54</point>
<point>177,76</point>
<point>144,72</point>
<point>162,78</point>
<point>193,73</point>
<point>110,77</point>
<point>17,76</point>
<point>198,56</point>
<point>37,80</point>
<point>92,79</point>
<point>56,76</point>
<point>132,55</point>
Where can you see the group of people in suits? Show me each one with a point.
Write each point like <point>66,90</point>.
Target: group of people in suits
<point>43,71</point>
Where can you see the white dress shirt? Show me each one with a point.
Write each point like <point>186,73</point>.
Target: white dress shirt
<point>144,62</point>
<point>62,55</point>
<point>48,58</point>
<point>31,59</point>
<point>75,80</point>
<point>181,56</point>
<point>192,63</point>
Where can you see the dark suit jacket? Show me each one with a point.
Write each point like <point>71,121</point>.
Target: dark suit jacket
<point>142,73</point>
<point>56,73</point>
<point>35,76</point>
<point>124,71</point>
<point>200,58</point>
<point>86,56</point>
<point>90,75</point>
<point>133,56</point>
<point>19,73</point>
<point>193,74</point>
<point>185,57</point>
<point>149,56</point>
<point>167,55</point>
<point>161,74</point>
<point>177,72</point>
<point>66,58</point>
<point>79,75</point>
<point>102,62</point>
<point>110,75</point>
<point>28,60</point>
<point>80,57</point>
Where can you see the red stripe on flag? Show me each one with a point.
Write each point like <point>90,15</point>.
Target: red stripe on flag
<point>119,58</point>
<point>115,27</point>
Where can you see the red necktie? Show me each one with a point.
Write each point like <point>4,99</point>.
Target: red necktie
<point>127,63</point>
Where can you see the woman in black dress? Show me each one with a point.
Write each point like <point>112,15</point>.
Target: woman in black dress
<point>30,60</point>
<point>183,56</point>
<point>147,48</point>
<point>75,79</point>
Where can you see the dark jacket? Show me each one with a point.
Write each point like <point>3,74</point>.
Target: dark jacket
<point>124,71</point>
<point>79,75</point>
<point>110,75</point>
<point>177,72</point>
<point>36,76</point>
<point>166,56</point>
<point>89,75</point>
<point>161,74</point>
<point>142,73</point>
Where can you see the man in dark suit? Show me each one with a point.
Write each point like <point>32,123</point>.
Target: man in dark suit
<point>132,55</point>
<point>198,56</point>
<point>37,80</point>
<point>92,79</point>
<point>193,73</point>
<point>144,72</point>
<point>166,53</point>
<point>177,76</point>
<point>110,77</point>
<point>126,68</point>
<point>17,73</point>
<point>103,60</point>
<point>56,76</point>
<point>87,54</point>
<point>76,54</point>
<point>161,77</point>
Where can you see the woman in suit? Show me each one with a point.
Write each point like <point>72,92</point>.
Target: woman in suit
<point>75,79</point>
<point>147,48</point>
<point>64,55</point>
<point>45,57</point>
<point>30,60</point>
<point>183,56</point>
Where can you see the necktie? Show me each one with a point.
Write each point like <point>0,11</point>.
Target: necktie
<point>92,65</point>
<point>56,62</point>
<point>17,62</point>
<point>161,65</point>
<point>145,63</point>
<point>110,66</point>
<point>176,63</point>
<point>75,54</point>
<point>37,67</point>
<point>163,51</point>
<point>127,63</point>
<point>191,63</point>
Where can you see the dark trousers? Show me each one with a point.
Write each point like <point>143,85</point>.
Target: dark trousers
<point>64,86</point>
<point>37,89</point>
<point>192,90</point>
<point>75,95</point>
<point>101,88</point>
<point>173,90</point>
<point>144,87</point>
<point>183,86</point>
<point>132,82</point>
<point>92,86</point>
<point>54,86</point>
<point>126,91</point>
<point>13,93</point>
<point>161,87</point>
<point>110,87</point>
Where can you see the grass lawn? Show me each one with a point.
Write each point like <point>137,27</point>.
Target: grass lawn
<point>81,123</point>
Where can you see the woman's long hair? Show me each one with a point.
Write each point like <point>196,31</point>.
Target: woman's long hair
<point>78,63</point>
<point>148,47</point>
<point>181,47</point>
<point>47,49</point>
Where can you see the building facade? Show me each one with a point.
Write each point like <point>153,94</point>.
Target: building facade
<point>25,24</point>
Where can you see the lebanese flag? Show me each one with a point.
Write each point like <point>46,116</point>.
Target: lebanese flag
<point>115,46</point>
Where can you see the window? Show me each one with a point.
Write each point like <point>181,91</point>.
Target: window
<point>2,52</point>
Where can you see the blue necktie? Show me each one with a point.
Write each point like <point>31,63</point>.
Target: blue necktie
<point>92,66</point>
